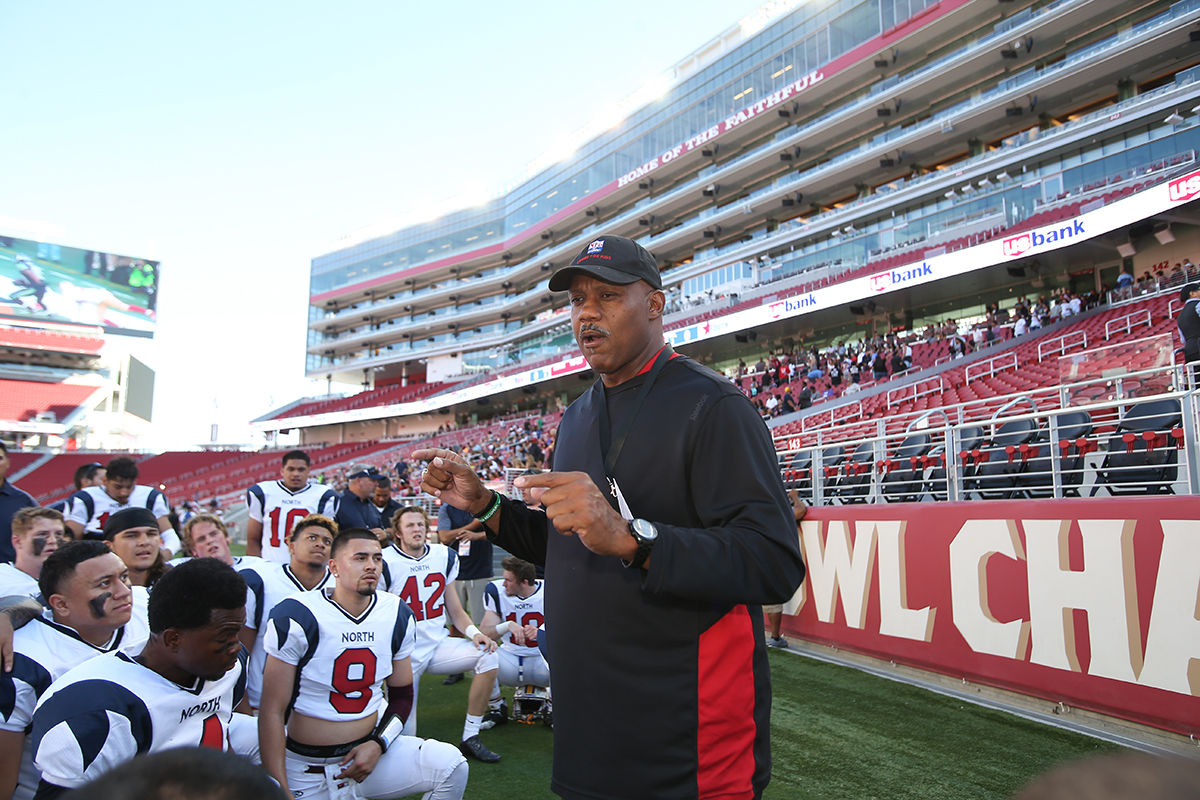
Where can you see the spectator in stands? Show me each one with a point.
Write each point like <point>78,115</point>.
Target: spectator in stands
<point>1076,304</point>
<point>897,363</point>
<point>806,396</point>
<point>355,509</point>
<point>382,499</point>
<point>1189,323</point>
<point>12,500</point>
<point>1021,326</point>
<point>787,405</point>
<point>879,368</point>
<point>85,475</point>
<point>36,533</point>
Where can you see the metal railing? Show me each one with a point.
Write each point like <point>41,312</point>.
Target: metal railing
<point>991,367</point>
<point>1126,323</point>
<point>914,391</point>
<point>1119,446</point>
<point>1061,344</point>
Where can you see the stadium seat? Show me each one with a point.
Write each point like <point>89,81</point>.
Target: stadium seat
<point>1142,456</point>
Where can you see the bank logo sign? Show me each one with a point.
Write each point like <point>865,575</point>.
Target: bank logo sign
<point>1183,189</point>
<point>1022,243</point>
<point>898,277</point>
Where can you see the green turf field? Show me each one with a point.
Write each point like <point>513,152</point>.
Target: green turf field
<point>836,733</point>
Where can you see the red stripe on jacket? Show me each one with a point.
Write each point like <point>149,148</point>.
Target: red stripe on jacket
<point>725,703</point>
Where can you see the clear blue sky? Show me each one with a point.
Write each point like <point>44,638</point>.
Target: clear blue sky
<point>235,141</point>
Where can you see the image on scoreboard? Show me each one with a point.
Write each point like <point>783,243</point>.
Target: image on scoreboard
<point>47,282</point>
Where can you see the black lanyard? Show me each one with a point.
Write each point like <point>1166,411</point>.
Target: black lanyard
<point>611,448</point>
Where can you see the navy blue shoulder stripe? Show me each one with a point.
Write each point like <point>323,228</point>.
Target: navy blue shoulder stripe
<point>88,503</point>
<point>403,620</point>
<point>490,591</point>
<point>451,559</point>
<point>85,706</point>
<point>254,583</point>
<point>26,670</point>
<point>152,498</point>
<point>239,688</point>
<point>291,608</point>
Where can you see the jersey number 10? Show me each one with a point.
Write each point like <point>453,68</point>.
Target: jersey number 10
<point>293,516</point>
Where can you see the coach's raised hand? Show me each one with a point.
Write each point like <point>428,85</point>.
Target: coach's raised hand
<point>448,476</point>
<point>575,506</point>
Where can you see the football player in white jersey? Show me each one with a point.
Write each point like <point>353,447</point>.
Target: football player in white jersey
<point>207,536</point>
<point>423,573</point>
<point>268,583</point>
<point>92,611</point>
<point>36,533</point>
<point>180,691</point>
<point>330,652</point>
<point>133,535</point>
<point>514,610</point>
<point>276,506</point>
<point>91,506</point>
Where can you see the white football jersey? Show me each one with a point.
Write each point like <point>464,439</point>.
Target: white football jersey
<point>108,710</point>
<point>266,585</point>
<point>43,651</point>
<point>278,508</point>
<point>519,611</point>
<point>91,507</point>
<point>343,660</point>
<point>422,584</point>
<point>14,582</point>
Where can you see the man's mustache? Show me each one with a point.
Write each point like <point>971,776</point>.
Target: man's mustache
<point>591,327</point>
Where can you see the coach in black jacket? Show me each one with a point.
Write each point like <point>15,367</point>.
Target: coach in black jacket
<point>675,529</point>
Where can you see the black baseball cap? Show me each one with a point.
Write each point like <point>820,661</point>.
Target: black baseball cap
<point>1184,293</point>
<point>612,259</point>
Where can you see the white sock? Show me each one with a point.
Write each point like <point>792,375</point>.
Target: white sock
<point>471,726</point>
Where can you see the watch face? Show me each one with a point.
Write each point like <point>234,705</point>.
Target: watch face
<point>644,529</point>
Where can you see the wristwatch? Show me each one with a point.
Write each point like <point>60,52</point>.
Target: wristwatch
<point>645,534</point>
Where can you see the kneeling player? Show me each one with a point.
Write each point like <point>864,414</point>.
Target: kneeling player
<point>514,612</point>
<point>329,652</point>
<point>179,692</point>
<point>423,575</point>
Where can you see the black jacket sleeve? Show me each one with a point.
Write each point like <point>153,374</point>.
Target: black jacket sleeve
<point>523,531</point>
<point>747,549</point>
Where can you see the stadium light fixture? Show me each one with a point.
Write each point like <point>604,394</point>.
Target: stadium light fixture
<point>1173,119</point>
<point>951,195</point>
<point>985,182</point>
<point>1004,177</point>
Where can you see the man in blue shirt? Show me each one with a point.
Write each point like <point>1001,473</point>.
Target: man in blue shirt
<point>355,509</point>
<point>12,500</point>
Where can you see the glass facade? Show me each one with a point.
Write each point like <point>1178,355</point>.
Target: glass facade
<point>789,48</point>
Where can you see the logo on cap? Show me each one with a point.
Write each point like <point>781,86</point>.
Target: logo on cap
<point>595,247</point>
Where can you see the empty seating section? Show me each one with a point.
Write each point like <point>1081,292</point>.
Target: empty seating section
<point>384,396</point>
<point>50,341</point>
<point>22,401</point>
<point>193,475</point>
<point>54,480</point>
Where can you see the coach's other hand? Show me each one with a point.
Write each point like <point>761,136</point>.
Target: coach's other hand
<point>576,507</point>
<point>447,476</point>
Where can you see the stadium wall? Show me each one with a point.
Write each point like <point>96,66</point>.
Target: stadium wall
<point>1093,603</point>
